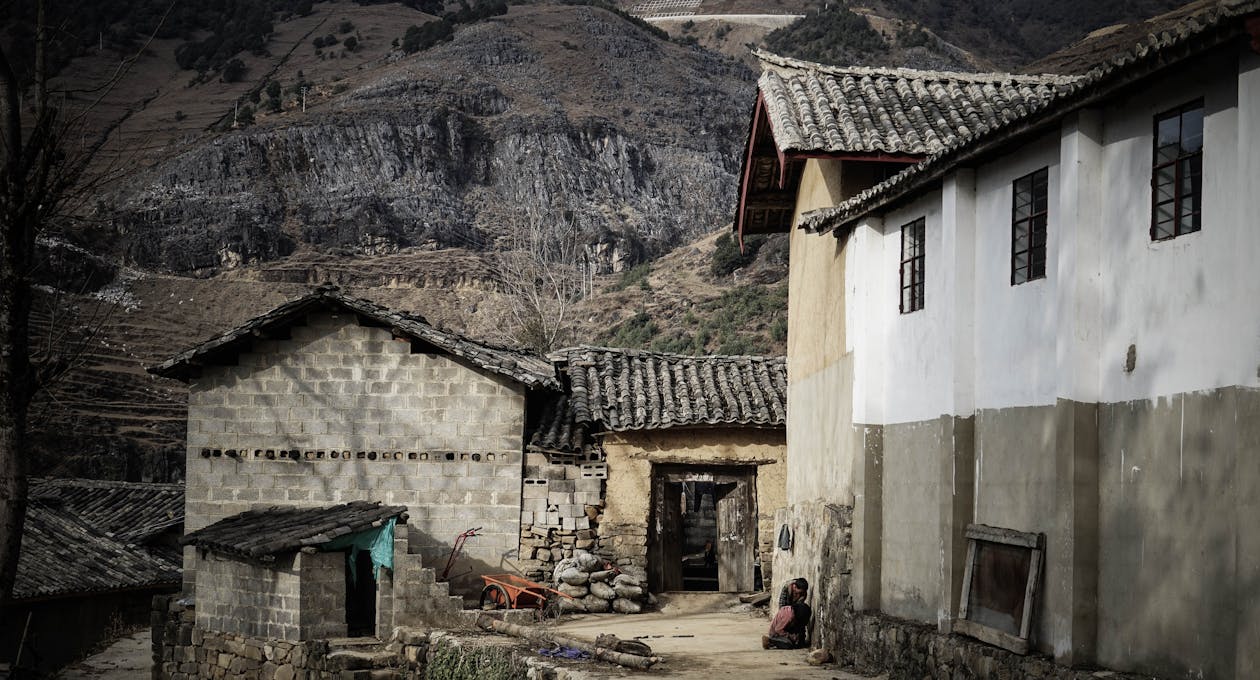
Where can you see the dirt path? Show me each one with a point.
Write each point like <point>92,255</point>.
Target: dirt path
<point>703,638</point>
<point>127,659</point>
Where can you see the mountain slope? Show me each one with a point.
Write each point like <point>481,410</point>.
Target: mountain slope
<point>555,117</point>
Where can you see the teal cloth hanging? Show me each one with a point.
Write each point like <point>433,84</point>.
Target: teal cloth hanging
<point>378,541</point>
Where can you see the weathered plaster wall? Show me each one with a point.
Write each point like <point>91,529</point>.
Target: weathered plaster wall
<point>1178,526</point>
<point>630,456</point>
<point>819,365</point>
<point>910,573</point>
<point>371,421</point>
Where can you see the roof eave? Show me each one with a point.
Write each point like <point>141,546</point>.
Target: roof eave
<point>934,169</point>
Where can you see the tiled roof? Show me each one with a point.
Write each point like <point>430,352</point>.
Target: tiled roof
<point>558,431</point>
<point>264,534</point>
<point>527,369</point>
<point>828,109</point>
<point>62,555</point>
<point>621,389</point>
<point>1204,25</point>
<point>130,511</point>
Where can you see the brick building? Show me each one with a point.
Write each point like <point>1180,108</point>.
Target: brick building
<point>329,399</point>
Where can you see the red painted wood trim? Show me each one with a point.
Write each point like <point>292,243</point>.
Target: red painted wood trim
<point>1252,26</point>
<point>748,158</point>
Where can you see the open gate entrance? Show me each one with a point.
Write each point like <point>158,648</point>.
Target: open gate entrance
<point>695,505</point>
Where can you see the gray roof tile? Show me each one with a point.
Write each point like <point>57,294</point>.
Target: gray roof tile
<point>263,534</point>
<point>1164,40</point>
<point>815,108</point>
<point>525,368</point>
<point>130,511</point>
<point>65,556</point>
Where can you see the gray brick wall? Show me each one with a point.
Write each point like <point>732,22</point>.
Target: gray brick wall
<point>369,420</point>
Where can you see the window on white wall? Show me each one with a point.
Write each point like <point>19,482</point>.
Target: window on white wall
<point>1028,226</point>
<point>1177,177</point>
<point>912,260</point>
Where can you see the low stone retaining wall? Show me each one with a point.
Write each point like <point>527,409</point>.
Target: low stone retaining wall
<point>905,649</point>
<point>182,651</point>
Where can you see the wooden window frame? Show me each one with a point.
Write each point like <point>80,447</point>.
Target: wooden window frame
<point>1036,543</point>
<point>912,275</point>
<point>1179,175</point>
<point>1034,225</point>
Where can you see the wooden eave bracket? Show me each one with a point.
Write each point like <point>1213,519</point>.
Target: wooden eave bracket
<point>1252,26</point>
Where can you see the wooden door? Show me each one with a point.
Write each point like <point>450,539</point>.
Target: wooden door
<point>737,536</point>
<point>665,537</point>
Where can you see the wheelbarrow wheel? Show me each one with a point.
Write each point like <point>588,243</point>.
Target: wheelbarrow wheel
<point>495,597</point>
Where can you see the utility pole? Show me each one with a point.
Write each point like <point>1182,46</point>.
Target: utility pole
<point>303,99</point>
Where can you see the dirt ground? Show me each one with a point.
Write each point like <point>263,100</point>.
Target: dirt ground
<point>701,636</point>
<point>127,659</point>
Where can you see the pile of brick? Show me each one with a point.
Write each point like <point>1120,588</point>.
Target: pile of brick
<point>562,504</point>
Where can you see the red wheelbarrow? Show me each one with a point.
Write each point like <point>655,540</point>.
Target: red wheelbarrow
<point>509,591</point>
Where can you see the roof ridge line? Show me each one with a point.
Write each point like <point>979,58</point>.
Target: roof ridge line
<point>630,351</point>
<point>769,58</point>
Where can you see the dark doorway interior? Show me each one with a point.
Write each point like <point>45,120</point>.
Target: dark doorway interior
<point>703,531</point>
<point>361,597</point>
<point>699,536</point>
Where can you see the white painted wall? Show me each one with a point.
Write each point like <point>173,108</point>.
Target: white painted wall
<point>1015,325</point>
<point>1180,302</point>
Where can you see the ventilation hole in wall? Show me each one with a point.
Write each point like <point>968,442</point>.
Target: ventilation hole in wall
<point>371,455</point>
<point>463,456</point>
<point>424,456</point>
<point>398,455</point>
<point>230,453</point>
<point>319,454</point>
<point>216,453</point>
<point>310,455</point>
<point>489,456</point>
<point>411,455</point>
<point>271,454</point>
<point>507,458</point>
<point>476,457</point>
<point>205,453</point>
<point>450,456</point>
<point>361,455</point>
<point>257,453</point>
<point>295,454</point>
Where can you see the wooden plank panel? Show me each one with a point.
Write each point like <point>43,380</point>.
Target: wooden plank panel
<point>736,537</point>
<point>983,532</point>
<point>991,636</point>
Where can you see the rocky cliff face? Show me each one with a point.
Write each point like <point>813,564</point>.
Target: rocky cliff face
<point>557,118</point>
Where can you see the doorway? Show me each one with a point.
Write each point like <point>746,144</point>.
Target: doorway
<point>702,533</point>
<point>360,596</point>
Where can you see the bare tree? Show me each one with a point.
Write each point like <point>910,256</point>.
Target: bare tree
<point>46,178</point>
<point>544,275</point>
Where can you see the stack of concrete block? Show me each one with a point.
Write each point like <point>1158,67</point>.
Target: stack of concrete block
<point>560,511</point>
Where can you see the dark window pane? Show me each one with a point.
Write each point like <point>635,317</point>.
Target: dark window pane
<point>1164,212</point>
<point>1192,130</point>
<point>1168,138</point>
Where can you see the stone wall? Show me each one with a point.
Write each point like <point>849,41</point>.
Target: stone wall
<point>343,412</point>
<point>183,650</point>
<point>822,554</point>
<point>905,649</point>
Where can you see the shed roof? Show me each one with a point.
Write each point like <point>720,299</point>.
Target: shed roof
<point>1163,42</point>
<point>265,534</point>
<point>524,368</point>
<point>624,389</point>
<point>815,108</point>
<point>63,556</point>
<point>129,511</point>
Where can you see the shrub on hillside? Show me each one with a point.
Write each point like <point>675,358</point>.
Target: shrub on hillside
<point>834,35</point>
<point>727,256</point>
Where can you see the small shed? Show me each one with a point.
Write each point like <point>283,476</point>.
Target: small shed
<point>290,573</point>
